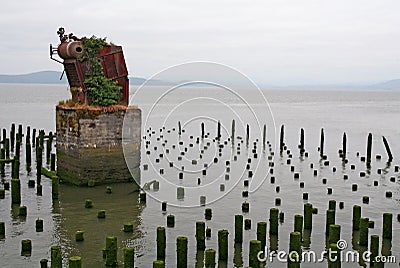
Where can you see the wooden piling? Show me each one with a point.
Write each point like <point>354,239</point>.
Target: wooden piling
<point>262,233</point>
<point>264,136</point>
<point>111,251</point>
<point>129,257</point>
<point>247,134</point>
<point>15,191</point>
<point>356,217</point>
<point>334,233</point>
<point>364,225</point>
<point>233,131</point>
<point>273,221</point>
<point>238,228</point>
<point>322,141</point>
<point>75,262</point>
<point>369,149</point>
<point>26,247</point>
<point>202,130</point>
<point>79,236</point>
<point>295,249</point>
<point>161,243</point>
<point>101,214</point>
<point>374,248</point>
<point>201,235</point>
<point>179,128</point>
<point>12,136</point>
<point>43,263</point>
<point>298,225</point>
<point>308,216</point>
<point>387,229</point>
<point>255,248</point>
<point>158,264</point>
<point>171,221</point>
<point>218,130</point>
<point>387,147</point>
<point>210,258</point>
<point>22,211</point>
<point>301,141</point>
<point>2,230</point>
<point>344,144</point>
<point>54,187</point>
<point>223,245</point>
<point>53,162</point>
<point>282,137</point>
<point>56,257</point>
<point>181,251</point>
<point>330,219</point>
<point>28,155</point>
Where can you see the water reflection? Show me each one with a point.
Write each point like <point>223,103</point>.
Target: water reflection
<point>121,206</point>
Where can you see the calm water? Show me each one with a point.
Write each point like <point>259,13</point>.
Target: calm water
<point>357,112</point>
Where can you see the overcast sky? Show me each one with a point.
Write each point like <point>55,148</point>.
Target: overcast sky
<point>272,41</point>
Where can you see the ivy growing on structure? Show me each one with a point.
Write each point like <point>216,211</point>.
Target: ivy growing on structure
<point>102,91</point>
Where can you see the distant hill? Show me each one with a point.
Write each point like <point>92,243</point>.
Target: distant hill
<point>391,84</point>
<point>44,77</point>
<point>53,77</point>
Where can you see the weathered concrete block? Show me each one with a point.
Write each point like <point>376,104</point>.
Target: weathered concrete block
<point>89,144</point>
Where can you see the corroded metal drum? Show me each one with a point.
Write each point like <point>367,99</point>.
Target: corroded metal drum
<point>71,50</point>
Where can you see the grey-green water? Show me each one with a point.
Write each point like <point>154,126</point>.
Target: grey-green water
<point>356,112</point>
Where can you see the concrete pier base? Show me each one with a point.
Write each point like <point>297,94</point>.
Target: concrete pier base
<point>89,144</point>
